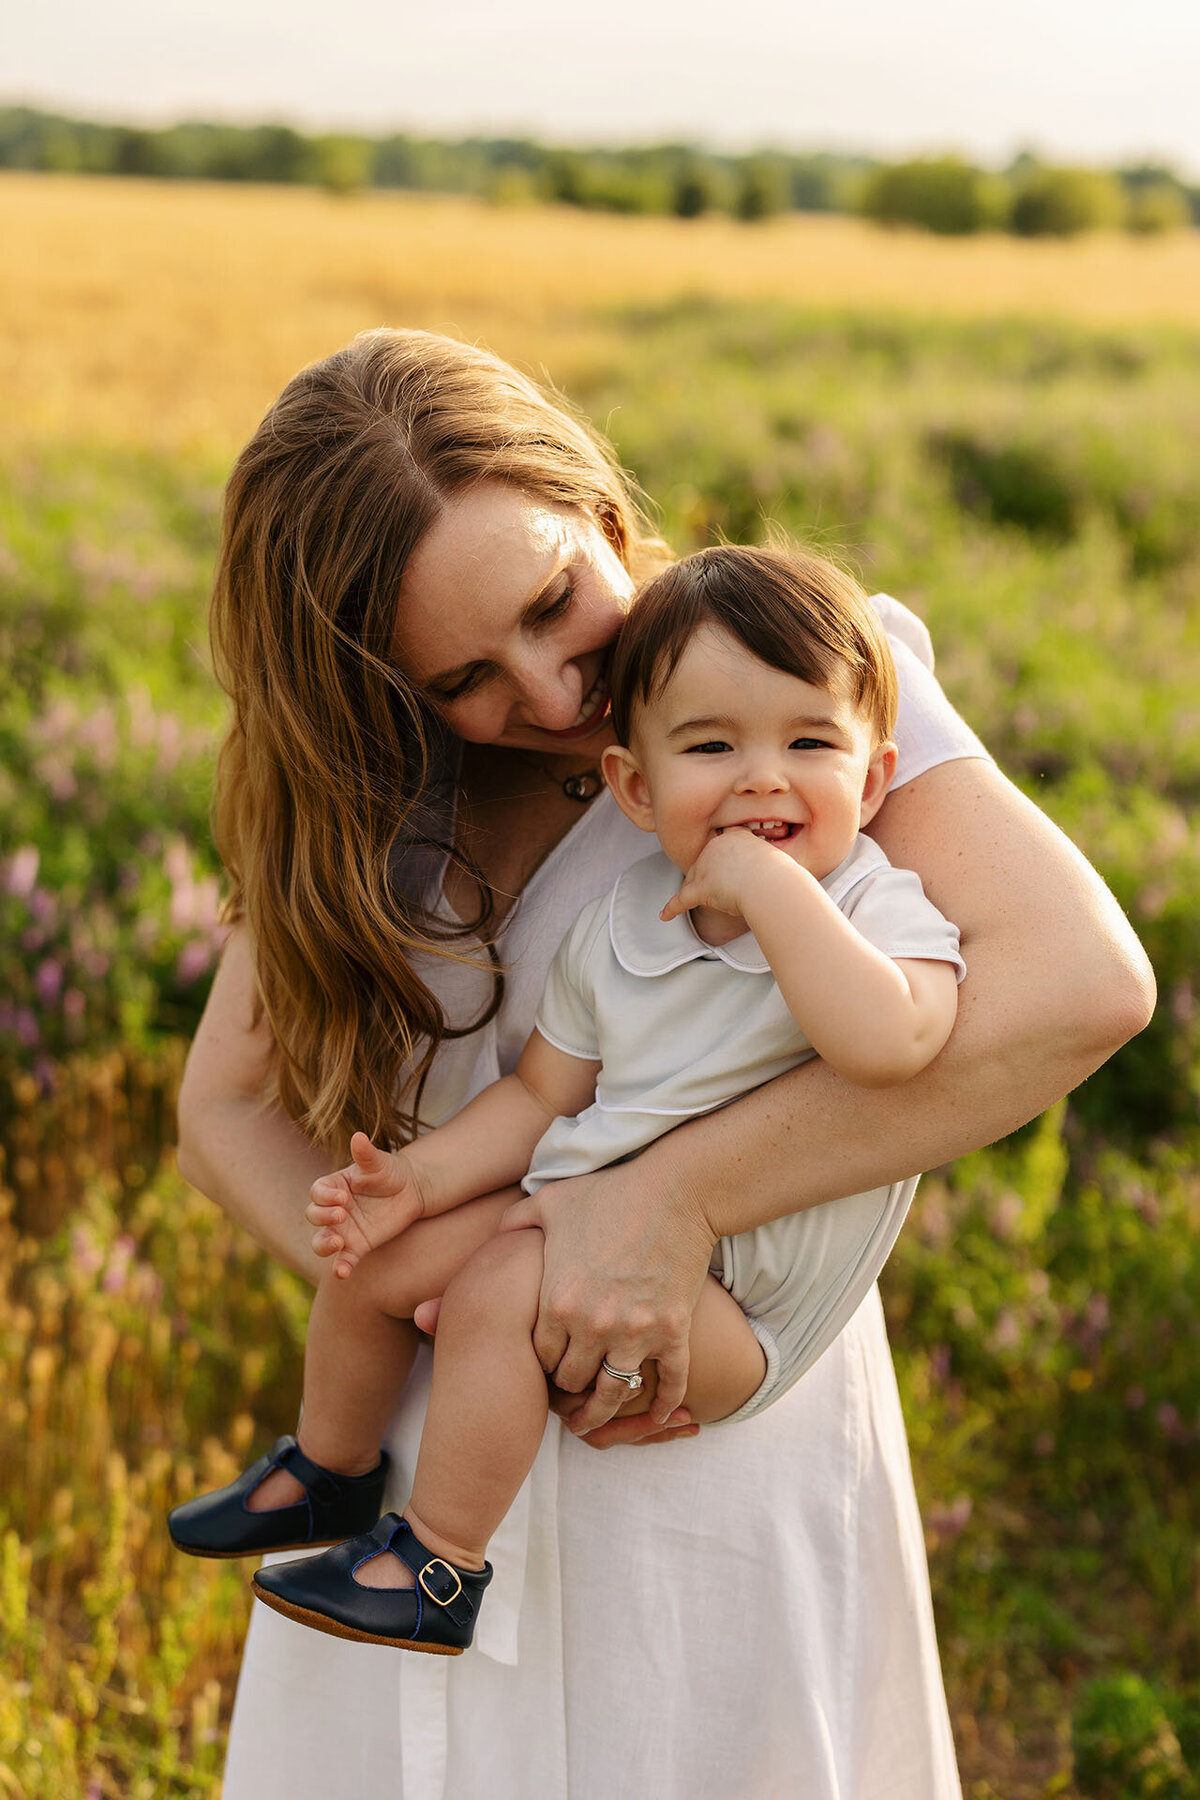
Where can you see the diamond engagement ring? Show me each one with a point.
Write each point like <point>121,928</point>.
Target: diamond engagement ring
<point>632,1379</point>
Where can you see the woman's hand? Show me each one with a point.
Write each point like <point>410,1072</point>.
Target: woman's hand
<point>626,1258</point>
<point>637,1428</point>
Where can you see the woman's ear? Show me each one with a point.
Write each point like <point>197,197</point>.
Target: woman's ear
<point>628,785</point>
<point>880,770</point>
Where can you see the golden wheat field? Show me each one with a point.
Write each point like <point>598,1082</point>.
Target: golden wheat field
<point>171,313</point>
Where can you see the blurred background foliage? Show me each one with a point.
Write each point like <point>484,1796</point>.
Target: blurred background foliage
<point>1030,488</point>
<point>941,194</point>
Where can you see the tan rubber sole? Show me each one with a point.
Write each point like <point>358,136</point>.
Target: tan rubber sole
<point>233,1555</point>
<point>335,1628</point>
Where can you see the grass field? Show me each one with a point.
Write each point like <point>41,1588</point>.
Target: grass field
<point>171,314</point>
<point>1005,435</point>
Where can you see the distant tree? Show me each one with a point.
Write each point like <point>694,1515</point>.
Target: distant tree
<point>695,188</point>
<point>1064,202</point>
<point>1159,206</point>
<point>826,183</point>
<point>943,194</point>
<point>566,178</point>
<point>135,152</point>
<point>341,165</point>
<point>761,188</point>
<point>281,154</point>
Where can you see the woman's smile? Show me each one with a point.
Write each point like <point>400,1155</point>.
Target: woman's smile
<point>592,712</point>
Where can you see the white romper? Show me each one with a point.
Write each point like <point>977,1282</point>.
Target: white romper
<point>681,1027</point>
<point>741,1616</point>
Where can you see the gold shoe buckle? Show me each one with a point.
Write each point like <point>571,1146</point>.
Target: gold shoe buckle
<point>436,1562</point>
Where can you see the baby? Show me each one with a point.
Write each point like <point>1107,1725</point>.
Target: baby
<point>753,701</point>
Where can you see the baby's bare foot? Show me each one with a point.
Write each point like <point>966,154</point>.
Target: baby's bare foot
<point>384,1571</point>
<point>277,1488</point>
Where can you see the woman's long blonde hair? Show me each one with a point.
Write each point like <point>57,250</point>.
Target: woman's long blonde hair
<point>321,777</point>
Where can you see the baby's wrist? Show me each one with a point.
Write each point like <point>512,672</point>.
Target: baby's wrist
<point>419,1172</point>
<point>778,881</point>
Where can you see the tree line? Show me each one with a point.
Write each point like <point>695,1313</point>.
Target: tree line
<point>945,194</point>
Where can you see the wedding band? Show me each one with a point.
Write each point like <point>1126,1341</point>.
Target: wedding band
<point>632,1379</point>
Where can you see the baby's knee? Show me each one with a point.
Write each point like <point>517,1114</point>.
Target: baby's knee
<point>497,1288</point>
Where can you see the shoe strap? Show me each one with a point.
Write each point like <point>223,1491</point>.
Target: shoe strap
<point>456,1591</point>
<point>318,1483</point>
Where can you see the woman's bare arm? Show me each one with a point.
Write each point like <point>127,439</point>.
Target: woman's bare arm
<point>1056,982</point>
<point>246,1156</point>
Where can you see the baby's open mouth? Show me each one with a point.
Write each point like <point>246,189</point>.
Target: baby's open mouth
<point>775,831</point>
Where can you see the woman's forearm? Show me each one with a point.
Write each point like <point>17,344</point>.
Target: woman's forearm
<point>256,1165</point>
<point>248,1157</point>
<point>1056,982</point>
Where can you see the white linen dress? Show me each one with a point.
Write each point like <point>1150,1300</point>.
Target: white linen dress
<point>740,1616</point>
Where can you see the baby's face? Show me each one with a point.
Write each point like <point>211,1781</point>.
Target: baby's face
<point>732,743</point>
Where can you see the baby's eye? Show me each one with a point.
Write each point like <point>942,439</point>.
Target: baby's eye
<point>807,743</point>
<point>713,747</point>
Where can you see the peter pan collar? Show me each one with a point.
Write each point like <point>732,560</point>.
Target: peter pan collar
<point>644,944</point>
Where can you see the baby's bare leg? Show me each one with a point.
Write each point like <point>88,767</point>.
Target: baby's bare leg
<point>489,1404</point>
<point>361,1340</point>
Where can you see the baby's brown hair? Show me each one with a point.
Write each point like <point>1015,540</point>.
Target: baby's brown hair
<point>795,612</point>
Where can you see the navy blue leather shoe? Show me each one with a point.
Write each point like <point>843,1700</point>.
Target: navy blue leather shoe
<point>438,1615</point>
<point>334,1506</point>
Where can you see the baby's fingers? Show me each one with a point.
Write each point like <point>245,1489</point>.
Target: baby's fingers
<point>330,1190</point>
<point>319,1214</point>
<point>326,1242</point>
<point>345,1265</point>
<point>688,896</point>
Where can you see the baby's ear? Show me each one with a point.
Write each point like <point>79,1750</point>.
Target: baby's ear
<point>880,771</point>
<point>628,784</point>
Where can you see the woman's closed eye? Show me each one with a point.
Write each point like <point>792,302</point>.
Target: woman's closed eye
<point>466,683</point>
<point>471,679</point>
<point>556,608</point>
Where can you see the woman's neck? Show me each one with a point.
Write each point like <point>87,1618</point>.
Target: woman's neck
<point>513,813</point>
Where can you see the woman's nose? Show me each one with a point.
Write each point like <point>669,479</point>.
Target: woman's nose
<point>548,693</point>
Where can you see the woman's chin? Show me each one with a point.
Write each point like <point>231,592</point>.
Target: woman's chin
<point>562,743</point>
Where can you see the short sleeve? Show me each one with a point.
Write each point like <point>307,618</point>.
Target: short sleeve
<point>566,1015</point>
<point>928,730</point>
<point>891,911</point>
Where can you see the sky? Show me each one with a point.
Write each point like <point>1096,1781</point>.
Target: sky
<point>1086,80</point>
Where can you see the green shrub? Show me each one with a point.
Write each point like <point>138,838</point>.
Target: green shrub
<point>943,194</point>
<point>1125,1748</point>
<point>761,189</point>
<point>1064,202</point>
<point>1158,206</point>
<point>1010,483</point>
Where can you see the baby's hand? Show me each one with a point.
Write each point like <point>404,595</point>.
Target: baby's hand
<point>364,1205</point>
<point>723,874</point>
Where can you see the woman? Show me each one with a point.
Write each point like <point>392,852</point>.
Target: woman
<point>425,562</point>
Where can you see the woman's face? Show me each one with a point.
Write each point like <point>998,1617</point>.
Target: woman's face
<point>507,612</point>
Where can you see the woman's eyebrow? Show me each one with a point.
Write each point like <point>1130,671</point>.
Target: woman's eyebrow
<point>528,614</point>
